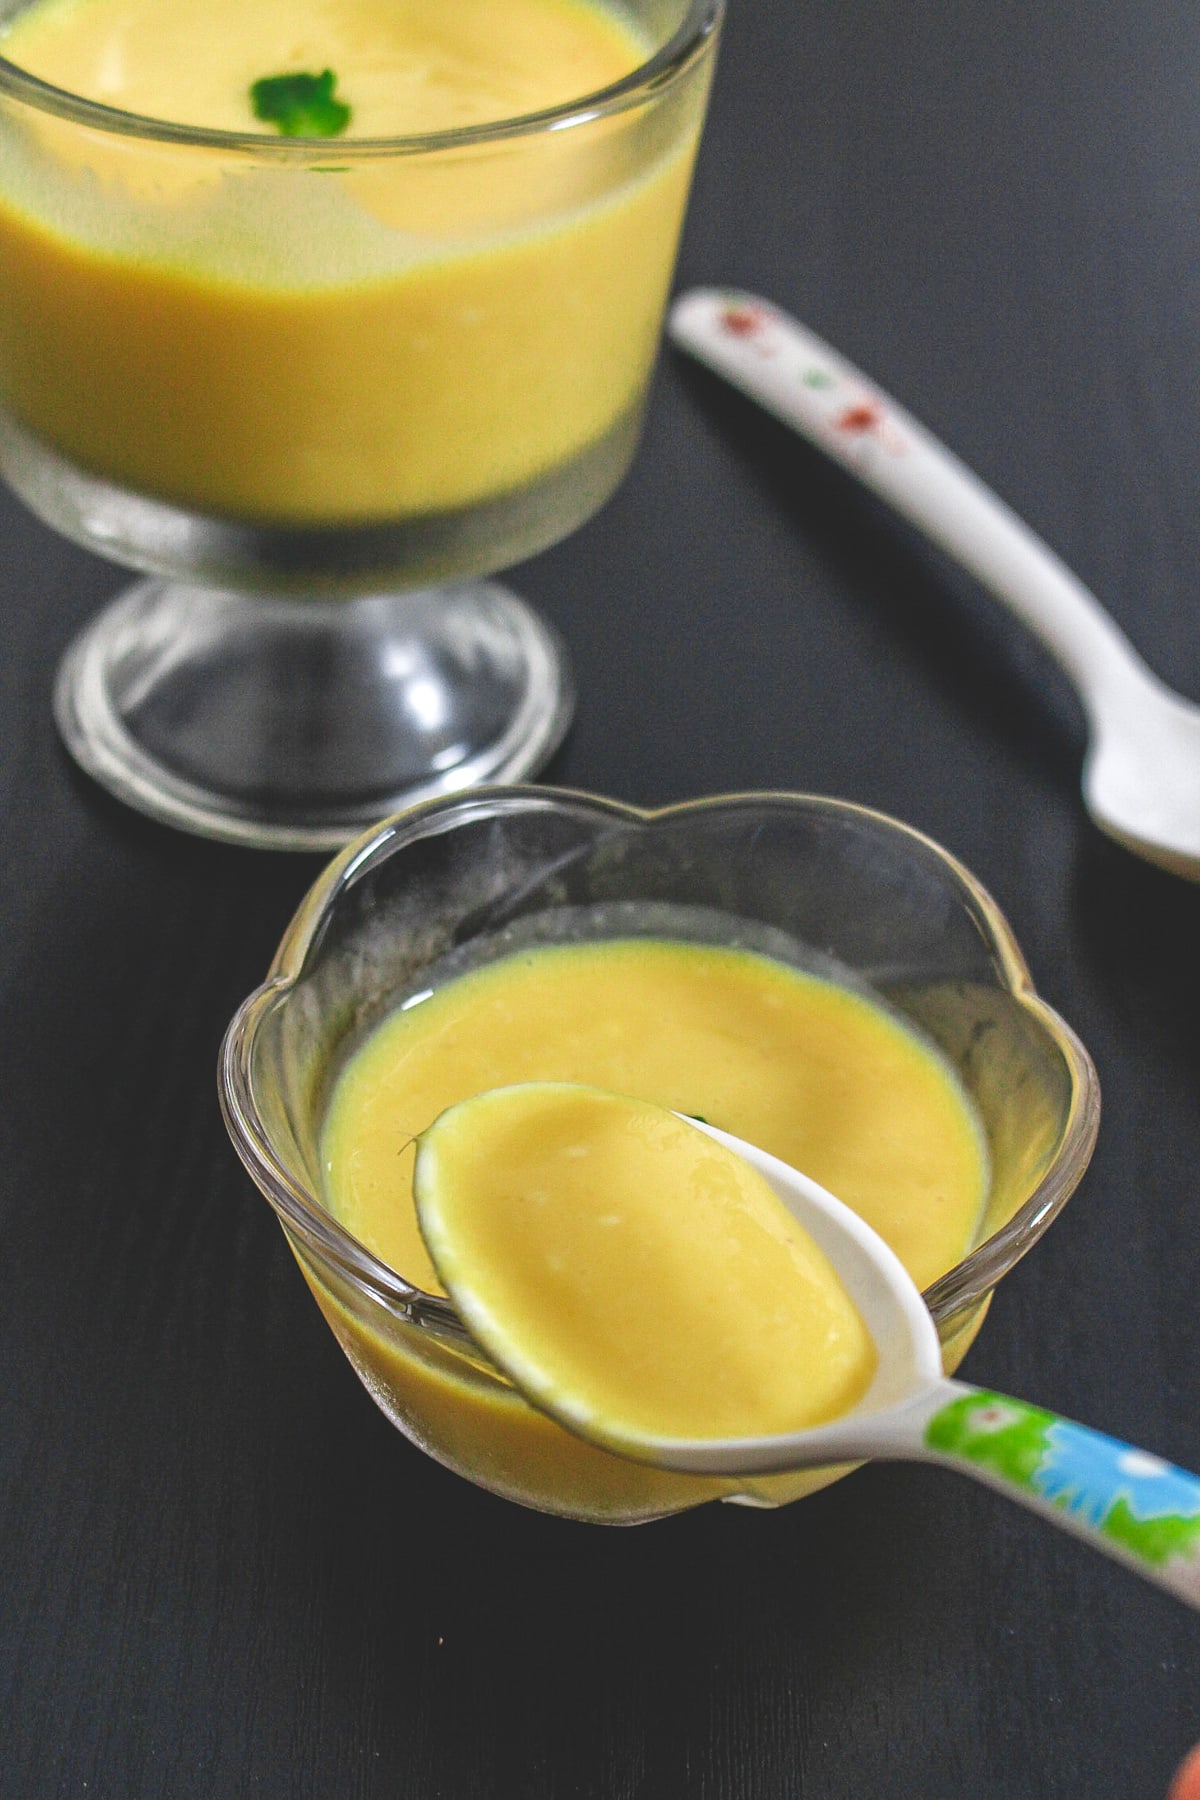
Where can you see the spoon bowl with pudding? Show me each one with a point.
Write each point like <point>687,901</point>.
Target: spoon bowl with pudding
<point>677,1296</point>
<point>319,314</point>
<point>804,973</point>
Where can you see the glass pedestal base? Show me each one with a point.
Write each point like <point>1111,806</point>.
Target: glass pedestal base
<point>294,724</point>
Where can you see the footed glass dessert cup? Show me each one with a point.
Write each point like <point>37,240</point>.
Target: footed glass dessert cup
<point>316,390</point>
<point>455,883</point>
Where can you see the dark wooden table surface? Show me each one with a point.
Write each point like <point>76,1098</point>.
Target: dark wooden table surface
<point>221,1572</point>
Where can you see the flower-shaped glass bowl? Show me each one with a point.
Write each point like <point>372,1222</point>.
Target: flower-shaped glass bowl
<point>463,880</point>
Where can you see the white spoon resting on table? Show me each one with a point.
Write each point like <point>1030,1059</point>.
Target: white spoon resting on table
<point>1135,1507</point>
<point>1141,777</point>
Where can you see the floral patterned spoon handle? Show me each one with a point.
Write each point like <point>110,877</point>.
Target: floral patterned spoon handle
<point>1141,778</point>
<point>793,373</point>
<point>1136,1507</point>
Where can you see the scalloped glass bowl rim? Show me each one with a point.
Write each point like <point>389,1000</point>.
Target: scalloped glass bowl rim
<point>954,1293</point>
<point>697,31</point>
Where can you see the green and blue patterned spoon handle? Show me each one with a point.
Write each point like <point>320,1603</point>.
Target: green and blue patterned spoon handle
<point>1136,1507</point>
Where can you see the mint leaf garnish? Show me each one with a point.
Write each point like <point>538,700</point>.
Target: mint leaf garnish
<point>301,105</point>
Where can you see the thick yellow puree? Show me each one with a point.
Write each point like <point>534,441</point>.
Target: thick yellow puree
<point>332,340</point>
<point>819,1076</point>
<point>824,1078</point>
<point>632,1275</point>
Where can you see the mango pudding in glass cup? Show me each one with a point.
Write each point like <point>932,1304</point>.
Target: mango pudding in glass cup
<point>807,974</point>
<point>317,314</point>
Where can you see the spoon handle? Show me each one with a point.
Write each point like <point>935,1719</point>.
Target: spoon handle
<point>795,375</point>
<point>1133,1506</point>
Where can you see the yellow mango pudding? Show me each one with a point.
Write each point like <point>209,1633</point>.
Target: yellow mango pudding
<point>316,312</point>
<point>235,313</point>
<point>635,1277</point>
<point>818,1075</point>
<point>822,1077</point>
<point>805,975</point>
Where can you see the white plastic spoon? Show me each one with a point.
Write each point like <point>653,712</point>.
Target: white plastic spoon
<point>1141,776</point>
<point>1135,1507</point>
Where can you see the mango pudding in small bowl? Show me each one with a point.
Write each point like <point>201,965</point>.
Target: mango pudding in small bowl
<point>808,975</point>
